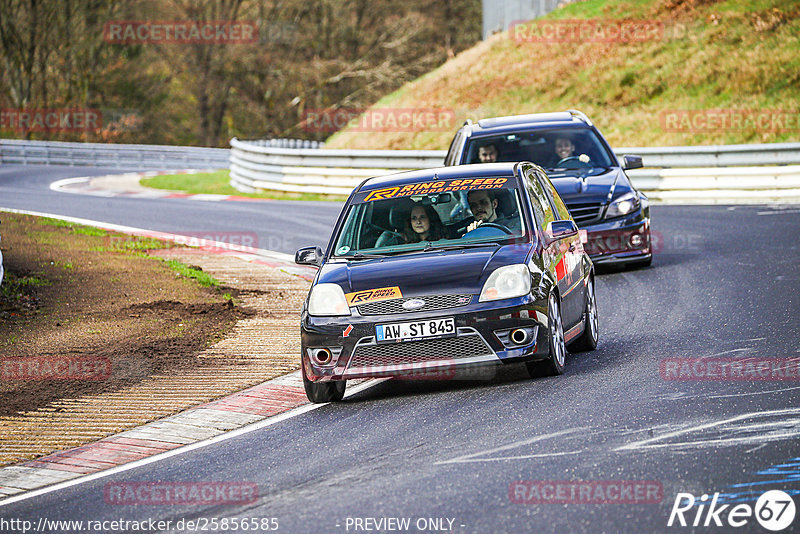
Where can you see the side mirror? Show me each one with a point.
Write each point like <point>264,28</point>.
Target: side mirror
<point>309,256</point>
<point>558,230</point>
<point>631,162</point>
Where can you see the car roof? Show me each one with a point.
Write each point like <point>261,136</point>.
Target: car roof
<point>440,173</point>
<point>533,121</point>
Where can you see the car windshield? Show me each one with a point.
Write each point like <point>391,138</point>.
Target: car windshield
<point>558,148</point>
<point>433,215</point>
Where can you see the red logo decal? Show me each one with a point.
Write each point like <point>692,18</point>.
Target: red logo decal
<point>347,331</point>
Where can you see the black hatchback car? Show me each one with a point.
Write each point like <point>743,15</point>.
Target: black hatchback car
<point>411,285</point>
<point>584,170</point>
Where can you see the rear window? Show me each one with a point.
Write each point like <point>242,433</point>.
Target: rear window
<point>443,213</point>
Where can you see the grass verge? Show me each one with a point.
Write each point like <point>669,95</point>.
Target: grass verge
<point>123,243</point>
<point>218,183</point>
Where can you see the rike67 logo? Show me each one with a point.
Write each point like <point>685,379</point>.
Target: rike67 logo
<point>774,510</point>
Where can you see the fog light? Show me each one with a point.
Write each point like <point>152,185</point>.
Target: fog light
<point>636,240</point>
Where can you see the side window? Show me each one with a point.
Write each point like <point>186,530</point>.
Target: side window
<point>454,151</point>
<point>542,209</point>
<point>561,208</point>
<point>561,211</point>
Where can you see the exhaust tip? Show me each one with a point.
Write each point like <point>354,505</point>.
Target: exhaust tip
<point>519,336</point>
<point>322,356</point>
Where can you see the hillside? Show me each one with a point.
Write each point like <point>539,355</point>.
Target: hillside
<point>735,63</point>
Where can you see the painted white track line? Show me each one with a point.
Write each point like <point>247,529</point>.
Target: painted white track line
<point>127,185</point>
<point>187,448</point>
<point>285,262</point>
<point>281,260</point>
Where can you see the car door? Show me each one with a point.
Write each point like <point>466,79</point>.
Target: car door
<point>570,266</point>
<point>544,214</point>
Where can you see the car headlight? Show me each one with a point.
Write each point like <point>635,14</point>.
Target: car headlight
<point>507,282</point>
<point>327,300</point>
<point>624,205</point>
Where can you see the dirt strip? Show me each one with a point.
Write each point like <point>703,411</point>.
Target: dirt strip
<point>261,346</point>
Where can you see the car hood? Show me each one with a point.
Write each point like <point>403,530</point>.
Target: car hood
<point>575,188</point>
<point>425,273</point>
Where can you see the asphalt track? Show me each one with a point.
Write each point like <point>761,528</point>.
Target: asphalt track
<point>724,284</point>
<point>278,226</point>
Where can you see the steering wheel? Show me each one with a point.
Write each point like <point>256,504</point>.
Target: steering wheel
<point>382,229</point>
<point>572,162</point>
<point>500,227</point>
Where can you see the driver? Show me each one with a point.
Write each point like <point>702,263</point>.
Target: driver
<point>565,148</point>
<point>483,204</point>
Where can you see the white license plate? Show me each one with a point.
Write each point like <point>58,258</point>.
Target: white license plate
<point>415,330</point>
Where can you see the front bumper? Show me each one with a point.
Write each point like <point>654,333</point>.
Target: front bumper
<point>622,240</point>
<point>479,341</point>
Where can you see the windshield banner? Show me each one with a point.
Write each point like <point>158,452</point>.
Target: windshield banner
<point>441,186</point>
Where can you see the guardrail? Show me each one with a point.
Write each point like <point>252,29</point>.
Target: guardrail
<point>709,185</point>
<point>717,155</point>
<point>700,173</point>
<point>139,157</point>
<point>257,166</point>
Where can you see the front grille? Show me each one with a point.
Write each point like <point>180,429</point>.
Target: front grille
<point>432,302</point>
<point>585,213</point>
<point>451,348</point>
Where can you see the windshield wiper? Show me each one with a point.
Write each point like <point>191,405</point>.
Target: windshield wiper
<point>430,246</point>
<point>362,256</point>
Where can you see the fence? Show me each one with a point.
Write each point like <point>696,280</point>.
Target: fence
<point>678,172</point>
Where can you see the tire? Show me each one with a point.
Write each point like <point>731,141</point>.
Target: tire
<point>554,364</point>
<point>319,392</point>
<point>588,339</point>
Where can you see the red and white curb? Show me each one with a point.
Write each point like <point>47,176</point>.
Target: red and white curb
<point>247,411</point>
<point>127,185</point>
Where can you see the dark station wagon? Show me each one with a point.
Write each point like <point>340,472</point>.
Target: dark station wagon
<point>584,170</point>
